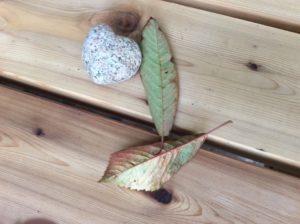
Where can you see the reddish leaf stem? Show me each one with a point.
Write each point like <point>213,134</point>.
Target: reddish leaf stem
<point>162,142</point>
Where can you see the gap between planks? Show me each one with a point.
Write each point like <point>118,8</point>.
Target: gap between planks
<point>229,61</point>
<point>214,144</point>
<point>251,11</point>
<point>52,174</point>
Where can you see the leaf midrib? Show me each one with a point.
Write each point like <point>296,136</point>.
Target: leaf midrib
<point>204,135</point>
<point>161,83</point>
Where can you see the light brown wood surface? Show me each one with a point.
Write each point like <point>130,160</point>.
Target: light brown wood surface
<point>54,175</point>
<point>283,14</point>
<point>40,45</point>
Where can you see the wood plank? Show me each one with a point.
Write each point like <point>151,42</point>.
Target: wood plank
<point>228,68</point>
<point>283,14</point>
<point>51,157</point>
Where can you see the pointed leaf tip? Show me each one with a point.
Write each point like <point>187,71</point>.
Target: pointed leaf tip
<point>219,126</point>
<point>103,180</point>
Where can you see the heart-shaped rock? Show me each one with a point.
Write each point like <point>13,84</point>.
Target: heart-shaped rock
<point>110,58</point>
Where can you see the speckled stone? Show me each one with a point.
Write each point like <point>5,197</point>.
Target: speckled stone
<point>110,58</point>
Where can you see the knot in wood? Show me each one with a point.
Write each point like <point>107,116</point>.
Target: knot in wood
<point>125,22</point>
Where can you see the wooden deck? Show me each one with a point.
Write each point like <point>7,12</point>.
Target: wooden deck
<point>51,157</point>
<point>233,63</point>
<point>228,68</point>
<point>283,14</point>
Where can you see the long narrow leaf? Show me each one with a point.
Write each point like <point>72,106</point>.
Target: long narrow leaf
<point>159,77</point>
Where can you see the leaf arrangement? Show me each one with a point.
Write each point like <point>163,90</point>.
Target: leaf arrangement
<point>148,167</point>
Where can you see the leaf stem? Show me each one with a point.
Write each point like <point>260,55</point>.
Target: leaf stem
<point>162,141</point>
<point>219,126</point>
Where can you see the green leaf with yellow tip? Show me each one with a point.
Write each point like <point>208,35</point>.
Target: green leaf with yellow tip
<point>159,77</point>
<point>148,167</point>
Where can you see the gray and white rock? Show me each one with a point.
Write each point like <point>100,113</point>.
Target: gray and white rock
<point>110,58</point>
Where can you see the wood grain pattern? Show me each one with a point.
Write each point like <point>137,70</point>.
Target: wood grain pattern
<point>51,157</point>
<point>283,14</point>
<point>228,68</point>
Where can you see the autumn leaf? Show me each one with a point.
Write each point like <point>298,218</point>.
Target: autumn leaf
<point>159,77</point>
<point>148,167</point>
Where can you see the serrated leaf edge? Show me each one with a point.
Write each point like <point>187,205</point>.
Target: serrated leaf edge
<point>197,136</point>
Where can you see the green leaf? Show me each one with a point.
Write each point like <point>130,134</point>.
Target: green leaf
<point>148,167</point>
<point>159,77</point>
